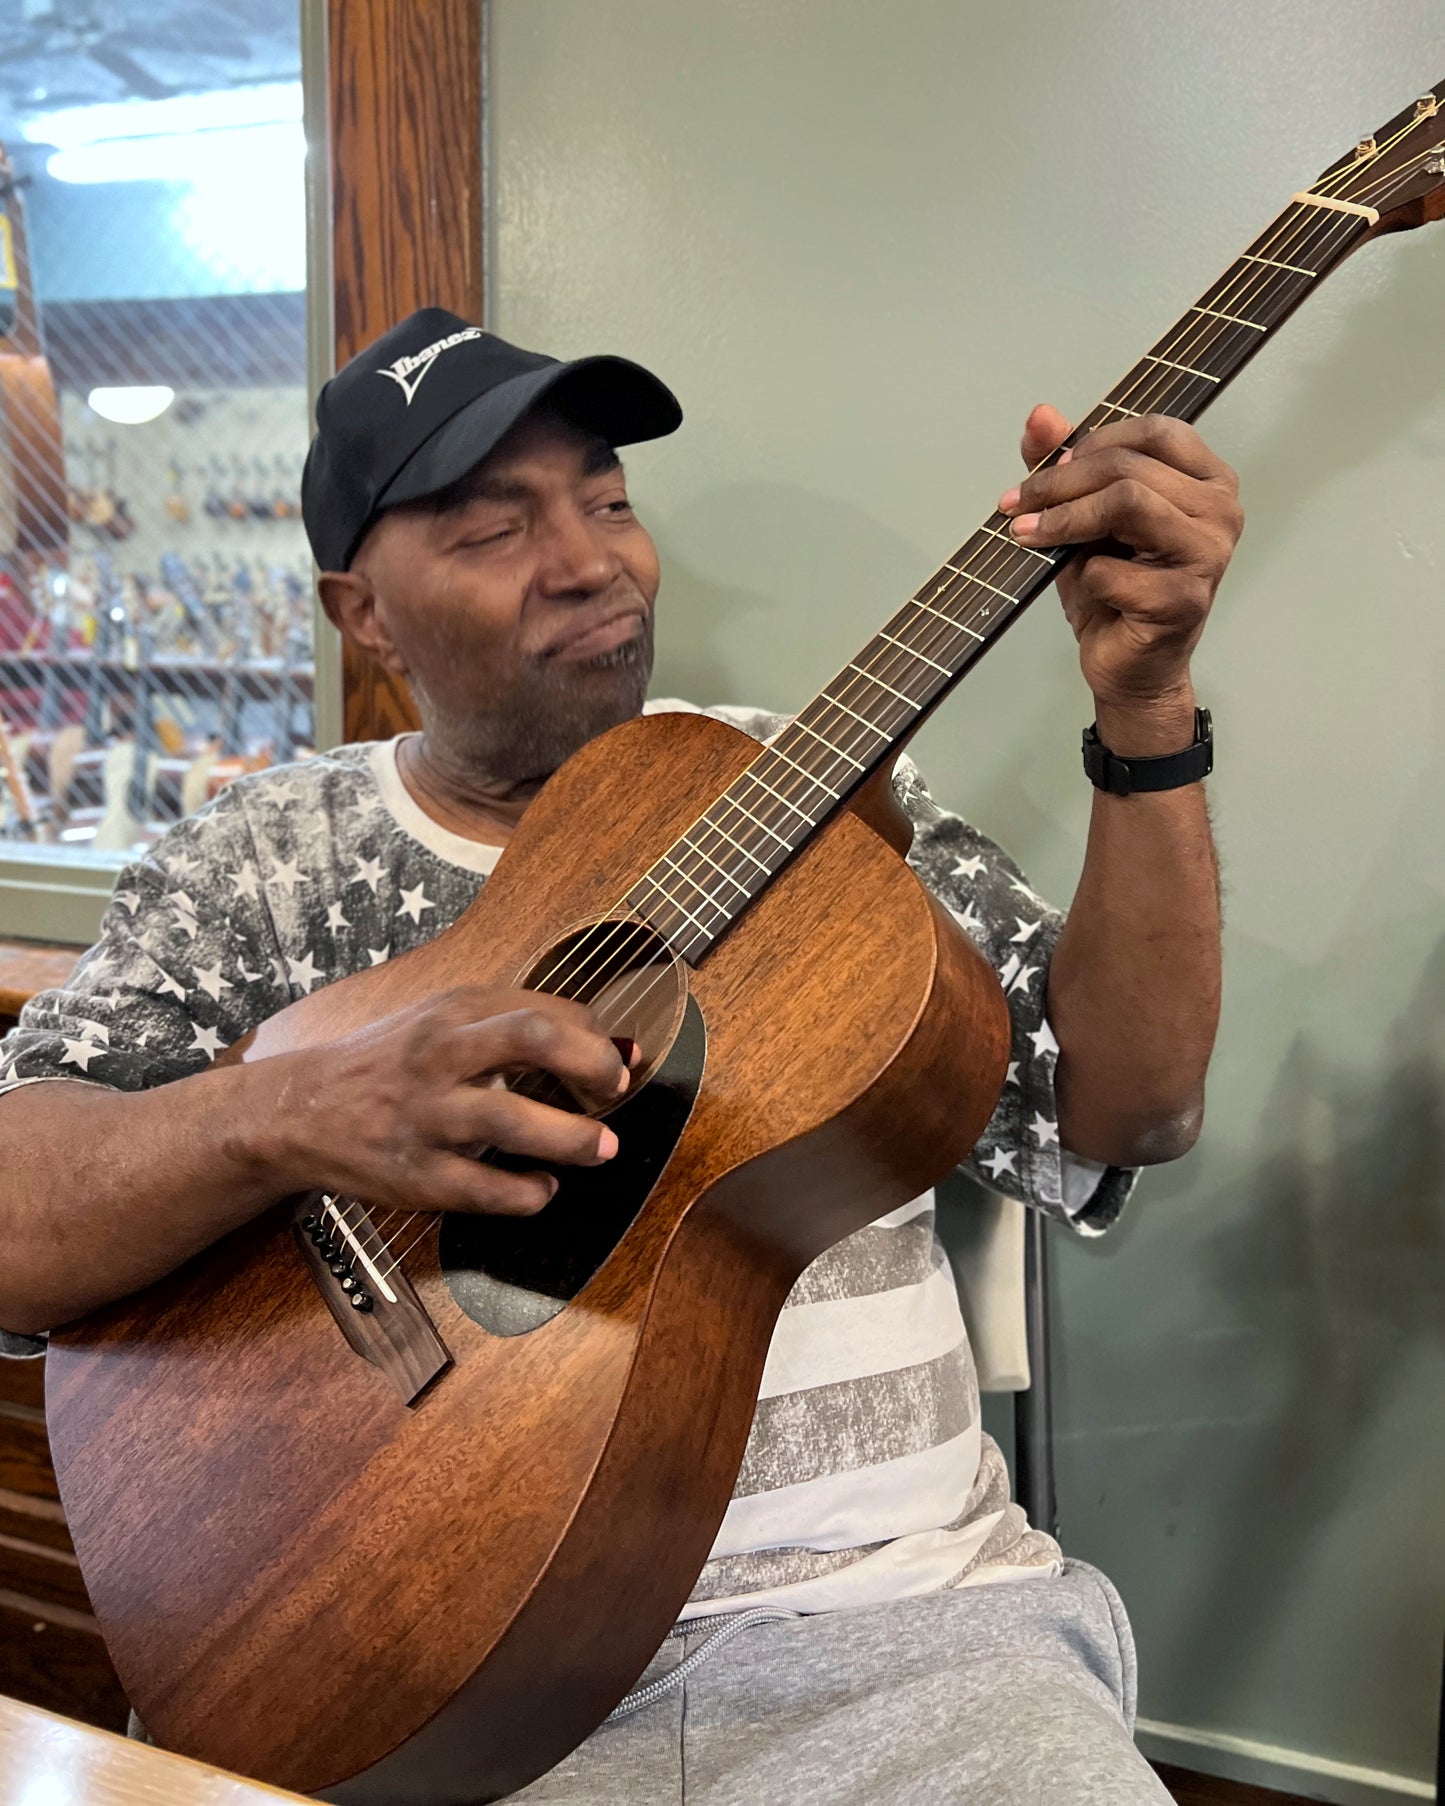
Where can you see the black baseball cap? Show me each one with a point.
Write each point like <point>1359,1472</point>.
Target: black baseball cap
<point>427,402</point>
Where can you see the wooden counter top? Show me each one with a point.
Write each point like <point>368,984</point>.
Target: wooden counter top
<point>27,967</point>
<point>44,1757</point>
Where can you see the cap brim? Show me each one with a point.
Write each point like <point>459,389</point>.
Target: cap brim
<point>610,396</point>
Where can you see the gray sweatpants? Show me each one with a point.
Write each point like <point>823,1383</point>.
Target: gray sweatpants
<point>1013,1695</point>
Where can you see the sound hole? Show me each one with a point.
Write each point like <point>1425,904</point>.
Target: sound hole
<point>512,1274</point>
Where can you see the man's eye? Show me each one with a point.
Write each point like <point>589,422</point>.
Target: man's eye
<point>623,507</point>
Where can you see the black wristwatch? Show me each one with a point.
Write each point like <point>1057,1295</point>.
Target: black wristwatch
<point>1124,777</point>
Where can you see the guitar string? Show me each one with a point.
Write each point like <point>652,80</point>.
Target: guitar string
<point>1194,341</point>
<point>1190,339</point>
<point>766,814</point>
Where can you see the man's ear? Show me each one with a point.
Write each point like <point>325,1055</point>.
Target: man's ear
<point>350,601</point>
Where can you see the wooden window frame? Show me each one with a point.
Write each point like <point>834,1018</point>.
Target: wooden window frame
<point>395,221</point>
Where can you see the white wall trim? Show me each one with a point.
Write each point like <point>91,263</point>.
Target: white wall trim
<point>1267,1765</point>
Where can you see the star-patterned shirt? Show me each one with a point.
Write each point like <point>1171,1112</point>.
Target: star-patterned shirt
<point>866,1475</point>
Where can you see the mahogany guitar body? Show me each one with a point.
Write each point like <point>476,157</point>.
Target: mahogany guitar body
<point>305,1578</point>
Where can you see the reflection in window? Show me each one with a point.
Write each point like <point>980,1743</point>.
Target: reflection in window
<point>155,630</point>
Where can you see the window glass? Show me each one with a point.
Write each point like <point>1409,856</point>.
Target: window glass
<point>155,631</point>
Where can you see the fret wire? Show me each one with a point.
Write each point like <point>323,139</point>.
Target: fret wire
<point>717,828</point>
<point>1188,369</point>
<point>803,771</point>
<point>799,723</point>
<point>721,871</point>
<point>802,815</point>
<point>914,653</point>
<point>983,583</point>
<point>1234,319</point>
<point>1158,392</point>
<point>735,802</point>
<point>952,620</point>
<point>668,898</point>
<point>881,685</point>
<point>684,846</point>
<point>872,726</point>
<point>752,777</point>
<point>1297,270</point>
<point>1011,542</point>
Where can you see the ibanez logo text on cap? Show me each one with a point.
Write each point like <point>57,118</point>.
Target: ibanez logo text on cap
<point>407,372</point>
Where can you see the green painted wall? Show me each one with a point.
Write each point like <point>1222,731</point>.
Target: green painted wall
<point>860,239</point>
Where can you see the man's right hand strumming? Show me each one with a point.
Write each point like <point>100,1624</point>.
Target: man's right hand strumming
<point>394,1113</point>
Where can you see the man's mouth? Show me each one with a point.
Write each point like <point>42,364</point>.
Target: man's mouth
<point>596,641</point>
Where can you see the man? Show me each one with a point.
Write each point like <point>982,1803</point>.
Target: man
<point>471,521</point>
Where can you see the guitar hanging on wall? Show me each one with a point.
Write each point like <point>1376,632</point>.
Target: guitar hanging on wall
<point>396,1512</point>
<point>34,523</point>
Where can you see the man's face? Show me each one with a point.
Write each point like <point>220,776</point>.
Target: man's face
<point>521,610</point>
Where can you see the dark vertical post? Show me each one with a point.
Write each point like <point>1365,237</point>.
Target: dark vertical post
<point>405,124</point>
<point>1034,1409</point>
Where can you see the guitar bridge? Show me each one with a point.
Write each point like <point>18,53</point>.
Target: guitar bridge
<point>375,1305</point>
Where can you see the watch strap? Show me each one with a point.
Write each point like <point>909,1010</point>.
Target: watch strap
<point>1127,777</point>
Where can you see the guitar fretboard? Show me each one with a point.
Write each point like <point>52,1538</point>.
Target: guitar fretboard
<point>858,721</point>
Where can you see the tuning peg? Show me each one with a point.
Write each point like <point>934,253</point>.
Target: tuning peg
<point>1366,148</point>
<point>1426,106</point>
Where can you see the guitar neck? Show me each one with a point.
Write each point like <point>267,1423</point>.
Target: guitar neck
<point>858,722</point>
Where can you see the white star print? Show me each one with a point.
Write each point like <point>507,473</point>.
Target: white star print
<point>1027,930</point>
<point>128,899</point>
<point>1043,1039</point>
<point>97,1032</point>
<point>247,884</point>
<point>368,871</point>
<point>970,921</point>
<point>1012,1077</point>
<point>182,863</point>
<point>378,955</point>
<point>211,982</point>
<point>1044,1132</point>
<point>1000,1162</point>
<point>1024,890</point>
<point>413,902</point>
<point>207,1041</point>
<point>1026,975</point>
<point>286,872</point>
<point>169,988</point>
<point>78,1053</point>
<point>303,971</point>
<point>249,977</point>
<point>335,919</point>
<point>967,868</point>
<point>1010,966</point>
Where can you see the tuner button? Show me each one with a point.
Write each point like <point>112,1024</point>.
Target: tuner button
<point>361,1301</point>
<point>350,1282</point>
<point>310,1224</point>
<point>340,1268</point>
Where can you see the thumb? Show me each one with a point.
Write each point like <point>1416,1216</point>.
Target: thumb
<point>1044,429</point>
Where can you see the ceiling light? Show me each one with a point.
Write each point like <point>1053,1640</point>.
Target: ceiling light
<point>131,406</point>
<point>268,103</point>
<point>258,153</point>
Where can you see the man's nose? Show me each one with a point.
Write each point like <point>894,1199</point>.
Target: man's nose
<point>576,558</point>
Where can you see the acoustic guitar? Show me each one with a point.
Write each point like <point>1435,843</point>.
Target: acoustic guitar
<point>396,1511</point>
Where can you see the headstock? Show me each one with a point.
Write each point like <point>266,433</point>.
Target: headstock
<point>1399,171</point>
